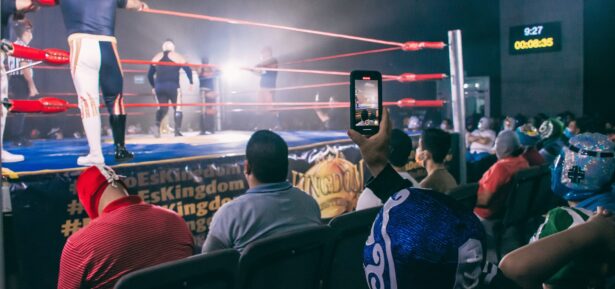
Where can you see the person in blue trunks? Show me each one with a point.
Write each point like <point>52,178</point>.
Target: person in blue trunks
<point>165,81</point>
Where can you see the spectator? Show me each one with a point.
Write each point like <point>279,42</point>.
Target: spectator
<point>538,119</point>
<point>434,146</point>
<point>447,125</point>
<point>124,234</point>
<point>528,137</point>
<point>271,204</point>
<point>400,147</point>
<point>490,202</point>
<point>571,129</point>
<point>426,240</point>
<point>610,133</point>
<point>582,176</point>
<point>509,123</point>
<point>414,123</point>
<point>552,139</point>
<point>480,141</point>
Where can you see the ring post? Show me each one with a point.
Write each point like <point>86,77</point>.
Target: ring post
<point>458,97</point>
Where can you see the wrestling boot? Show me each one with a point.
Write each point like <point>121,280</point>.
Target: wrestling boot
<point>118,125</point>
<point>11,158</point>
<point>90,160</point>
<point>178,123</point>
<point>155,130</point>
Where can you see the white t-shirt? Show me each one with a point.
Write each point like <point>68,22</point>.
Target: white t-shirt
<point>368,199</point>
<point>476,147</point>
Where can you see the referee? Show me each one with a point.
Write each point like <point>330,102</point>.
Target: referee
<point>21,82</point>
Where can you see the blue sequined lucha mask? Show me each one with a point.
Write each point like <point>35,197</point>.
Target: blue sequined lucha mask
<point>584,168</point>
<point>422,239</point>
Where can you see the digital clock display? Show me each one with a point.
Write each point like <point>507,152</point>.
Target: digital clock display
<point>533,38</point>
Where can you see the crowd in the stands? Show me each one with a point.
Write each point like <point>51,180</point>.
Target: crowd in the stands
<point>422,237</point>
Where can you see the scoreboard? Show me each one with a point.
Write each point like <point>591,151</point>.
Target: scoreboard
<point>546,37</point>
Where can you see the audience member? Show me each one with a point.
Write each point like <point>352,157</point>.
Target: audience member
<point>582,176</point>
<point>434,146</point>
<point>400,147</point>
<point>480,141</point>
<point>414,123</point>
<point>490,201</point>
<point>271,204</point>
<point>447,125</point>
<point>124,234</point>
<point>552,139</point>
<point>426,240</point>
<point>509,123</point>
<point>529,137</point>
<point>571,129</point>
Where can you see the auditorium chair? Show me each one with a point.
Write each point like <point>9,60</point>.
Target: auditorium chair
<point>465,194</point>
<point>215,270</point>
<point>290,260</point>
<point>544,200</point>
<point>345,268</point>
<point>515,229</point>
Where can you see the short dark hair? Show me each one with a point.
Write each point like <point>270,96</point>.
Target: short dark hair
<point>364,115</point>
<point>267,155</point>
<point>437,142</point>
<point>400,147</point>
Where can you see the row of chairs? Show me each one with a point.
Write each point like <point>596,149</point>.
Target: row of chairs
<point>321,257</point>
<point>528,197</point>
<point>328,256</point>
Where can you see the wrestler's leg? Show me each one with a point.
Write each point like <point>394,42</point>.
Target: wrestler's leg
<point>176,98</point>
<point>85,66</point>
<point>111,84</point>
<point>162,98</point>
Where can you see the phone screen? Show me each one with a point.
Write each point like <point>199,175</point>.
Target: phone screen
<point>366,109</point>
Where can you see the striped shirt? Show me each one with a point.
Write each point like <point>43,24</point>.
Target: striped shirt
<point>14,62</point>
<point>129,235</point>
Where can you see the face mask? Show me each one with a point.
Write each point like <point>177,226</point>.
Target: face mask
<point>419,157</point>
<point>568,133</point>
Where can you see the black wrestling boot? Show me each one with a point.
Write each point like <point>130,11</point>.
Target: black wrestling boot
<point>118,126</point>
<point>178,123</point>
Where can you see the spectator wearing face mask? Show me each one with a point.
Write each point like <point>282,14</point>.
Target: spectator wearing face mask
<point>582,176</point>
<point>490,201</point>
<point>480,142</point>
<point>434,146</point>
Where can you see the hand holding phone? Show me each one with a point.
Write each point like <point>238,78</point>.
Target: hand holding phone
<point>365,101</point>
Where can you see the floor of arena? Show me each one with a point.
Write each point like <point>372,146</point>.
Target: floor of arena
<point>45,156</point>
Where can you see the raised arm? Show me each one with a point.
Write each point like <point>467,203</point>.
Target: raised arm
<point>530,265</point>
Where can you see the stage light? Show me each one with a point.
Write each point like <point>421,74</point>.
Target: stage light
<point>231,71</point>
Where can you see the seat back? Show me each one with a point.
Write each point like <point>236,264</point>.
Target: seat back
<point>350,231</point>
<point>523,189</point>
<point>288,260</point>
<point>545,199</point>
<point>216,270</point>
<point>465,194</point>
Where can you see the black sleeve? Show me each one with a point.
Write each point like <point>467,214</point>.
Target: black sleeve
<point>387,183</point>
<point>150,75</point>
<point>493,278</point>
<point>122,3</point>
<point>188,71</point>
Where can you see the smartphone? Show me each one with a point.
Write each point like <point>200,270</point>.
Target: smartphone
<point>365,101</point>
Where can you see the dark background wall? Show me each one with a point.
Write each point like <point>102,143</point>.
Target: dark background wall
<point>599,60</point>
<point>543,82</point>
